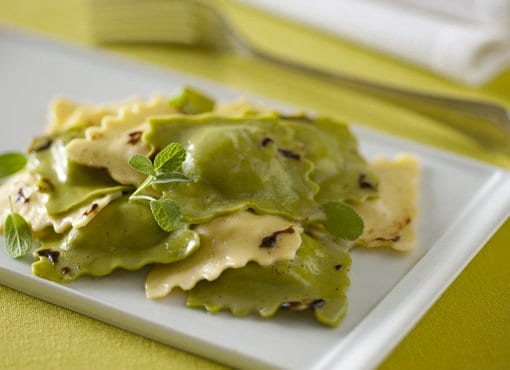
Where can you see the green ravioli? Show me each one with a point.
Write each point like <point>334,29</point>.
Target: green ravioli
<point>122,235</point>
<point>316,280</point>
<point>67,183</point>
<point>340,171</point>
<point>235,164</point>
<point>191,101</point>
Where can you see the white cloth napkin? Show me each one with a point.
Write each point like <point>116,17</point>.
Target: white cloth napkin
<point>466,40</point>
<point>491,13</point>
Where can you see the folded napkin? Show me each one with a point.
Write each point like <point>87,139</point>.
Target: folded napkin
<point>466,40</point>
<point>491,13</point>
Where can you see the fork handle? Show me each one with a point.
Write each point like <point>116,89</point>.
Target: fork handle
<point>486,122</point>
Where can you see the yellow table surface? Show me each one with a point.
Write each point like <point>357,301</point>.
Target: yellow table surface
<point>467,328</point>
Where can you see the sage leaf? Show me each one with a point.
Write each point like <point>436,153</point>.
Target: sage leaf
<point>18,237</point>
<point>342,220</point>
<point>11,163</point>
<point>167,213</point>
<point>166,178</point>
<point>142,164</point>
<point>170,159</point>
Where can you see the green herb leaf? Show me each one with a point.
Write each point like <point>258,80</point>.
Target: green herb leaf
<point>167,213</point>
<point>342,220</point>
<point>166,178</point>
<point>11,163</point>
<point>166,169</point>
<point>170,159</point>
<point>142,164</point>
<point>18,237</point>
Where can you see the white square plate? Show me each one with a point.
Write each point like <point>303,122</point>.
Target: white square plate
<point>462,203</point>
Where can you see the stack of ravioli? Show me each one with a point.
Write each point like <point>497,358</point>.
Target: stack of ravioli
<point>250,240</point>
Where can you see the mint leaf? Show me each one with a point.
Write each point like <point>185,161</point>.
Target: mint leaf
<point>18,237</point>
<point>142,164</point>
<point>170,159</point>
<point>166,178</point>
<point>11,163</point>
<point>167,213</point>
<point>342,220</point>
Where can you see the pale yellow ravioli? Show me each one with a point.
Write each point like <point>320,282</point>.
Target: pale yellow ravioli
<point>389,219</point>
<point>26,199</point>
<point>118,138</point>
<point>229,241</point>
<point>83,214</point>
<point>65,114</point>
<point>30,203</point>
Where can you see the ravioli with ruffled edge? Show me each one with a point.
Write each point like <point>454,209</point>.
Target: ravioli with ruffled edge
<point>252,237</point>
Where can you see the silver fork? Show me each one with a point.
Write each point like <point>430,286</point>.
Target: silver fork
<point>195,23</point>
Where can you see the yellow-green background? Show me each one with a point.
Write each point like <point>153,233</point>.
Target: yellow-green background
<point>467,328</point>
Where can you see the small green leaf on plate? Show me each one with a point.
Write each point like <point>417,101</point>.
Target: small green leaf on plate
<point>142,164</point>
<point>166,178</point>
<point>18,237</point>
<point>170,159</point>
<point>11,163</point>
<point>167,214</point>
<point>342,220</point>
